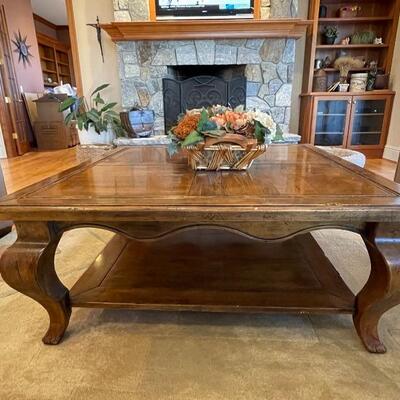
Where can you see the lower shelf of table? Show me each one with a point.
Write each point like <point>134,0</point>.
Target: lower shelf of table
<point>209,270</point>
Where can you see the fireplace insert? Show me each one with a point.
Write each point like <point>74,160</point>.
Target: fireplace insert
<point>181,94</point>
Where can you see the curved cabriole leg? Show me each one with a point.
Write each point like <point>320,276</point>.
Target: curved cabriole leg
<point>28,267</point>
<point>382,290</point>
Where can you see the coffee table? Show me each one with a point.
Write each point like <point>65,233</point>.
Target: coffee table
<point>208,241</point>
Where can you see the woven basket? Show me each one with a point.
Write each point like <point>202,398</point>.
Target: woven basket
<point>231,152</point>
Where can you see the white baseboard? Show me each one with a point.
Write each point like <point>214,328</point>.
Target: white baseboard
<point>391,153</point>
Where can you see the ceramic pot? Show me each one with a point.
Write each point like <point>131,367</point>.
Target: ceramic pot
<point>90,136</point>
<point>381,81</point>
<point>358,82</point>
<point>322,11</point>
<point>329,39</point>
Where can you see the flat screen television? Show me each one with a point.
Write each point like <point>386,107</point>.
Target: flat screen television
<point>166,9</point>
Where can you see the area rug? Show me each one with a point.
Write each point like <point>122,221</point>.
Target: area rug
<point>111,354</point>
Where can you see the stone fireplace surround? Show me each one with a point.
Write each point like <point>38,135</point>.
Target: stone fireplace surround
<point>269,71</point>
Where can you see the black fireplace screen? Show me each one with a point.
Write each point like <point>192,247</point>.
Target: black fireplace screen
<point>200,91</point>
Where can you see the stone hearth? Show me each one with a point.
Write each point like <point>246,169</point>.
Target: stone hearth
<point>269,71</point>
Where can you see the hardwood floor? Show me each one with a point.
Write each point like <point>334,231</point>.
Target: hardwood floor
<point>382,167</point>
<point>30,168</point>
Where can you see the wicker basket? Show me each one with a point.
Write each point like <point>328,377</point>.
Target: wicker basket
<point>231,152</point>
<point>348,12</point>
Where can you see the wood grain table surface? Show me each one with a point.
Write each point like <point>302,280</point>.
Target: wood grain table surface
<point>228,227</point>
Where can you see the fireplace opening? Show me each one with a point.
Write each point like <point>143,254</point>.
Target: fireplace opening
<point>195,86</point>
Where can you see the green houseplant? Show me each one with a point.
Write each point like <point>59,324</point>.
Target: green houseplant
<point>97,121</point>
<point>330,34</point>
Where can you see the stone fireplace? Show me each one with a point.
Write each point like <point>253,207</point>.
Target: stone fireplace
<point>267,64</point>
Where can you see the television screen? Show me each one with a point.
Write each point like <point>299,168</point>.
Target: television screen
<point>204,8</point>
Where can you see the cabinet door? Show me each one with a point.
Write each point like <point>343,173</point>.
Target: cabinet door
<point>330,125</point>
<point>368,121</point>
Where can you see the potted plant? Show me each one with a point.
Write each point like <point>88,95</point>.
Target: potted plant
<point>330,34</point>
<point>97,121</point>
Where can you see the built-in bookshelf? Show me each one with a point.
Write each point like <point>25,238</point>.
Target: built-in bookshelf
<point>377,16</point>
<point>55,60</point>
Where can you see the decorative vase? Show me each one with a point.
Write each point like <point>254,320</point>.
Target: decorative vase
<point>90,136</point>
<point>138,122</point>
<point>322,11</point>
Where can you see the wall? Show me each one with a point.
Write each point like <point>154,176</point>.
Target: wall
<point>298,72</point>
<point>392,149</point>
<point>19,17</point>
<point>94,72</point>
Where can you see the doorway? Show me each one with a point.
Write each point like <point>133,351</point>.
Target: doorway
<point>54,42</point>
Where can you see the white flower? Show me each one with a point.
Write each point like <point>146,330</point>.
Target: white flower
<point>265,120</point>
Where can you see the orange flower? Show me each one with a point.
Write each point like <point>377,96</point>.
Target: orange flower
<point>186,125</point>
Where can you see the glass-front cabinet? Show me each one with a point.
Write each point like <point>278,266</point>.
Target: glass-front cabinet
<point>368,121</point>
<point>352,121</point>
<point>331,121</point>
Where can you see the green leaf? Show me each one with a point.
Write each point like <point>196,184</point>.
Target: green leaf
<point>93,115</point>
<point>203,120</point>
<point>214,133</point>
<point>69,118</point>
<point>67,103</point>
<point>259,132</point>
<point>112,113</point>
<point>100,88</point>
<point>279,133</point>
<point>193,138</point>
<point>209,126</point>
<point>98,99</point>
<point>172,148</point>
<point>108,107</point>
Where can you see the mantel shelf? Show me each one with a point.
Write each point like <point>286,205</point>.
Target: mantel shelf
<point>207,29</point>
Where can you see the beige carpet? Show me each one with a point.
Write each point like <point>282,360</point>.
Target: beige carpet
<point>149,355</point>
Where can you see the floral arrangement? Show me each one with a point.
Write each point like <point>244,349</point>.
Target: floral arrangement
<point>196,125</point>
<point>345,64</point>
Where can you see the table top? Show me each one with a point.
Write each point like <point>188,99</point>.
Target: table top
<point>288,181</point>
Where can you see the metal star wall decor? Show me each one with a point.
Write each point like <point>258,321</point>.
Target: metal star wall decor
<point>22,49</point>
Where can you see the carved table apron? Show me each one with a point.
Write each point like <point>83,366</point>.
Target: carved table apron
<point>219,241</point>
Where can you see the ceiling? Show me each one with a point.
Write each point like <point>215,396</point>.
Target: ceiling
<point>52,10</point>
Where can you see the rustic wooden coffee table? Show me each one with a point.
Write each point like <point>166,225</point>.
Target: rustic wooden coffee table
<point>217,241</point>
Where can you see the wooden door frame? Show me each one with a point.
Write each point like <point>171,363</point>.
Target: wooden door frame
<point>74,45</point>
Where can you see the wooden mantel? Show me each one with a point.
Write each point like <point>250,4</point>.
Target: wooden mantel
<point>209,29</point>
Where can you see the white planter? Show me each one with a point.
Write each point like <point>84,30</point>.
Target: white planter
<point>92,137</point>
